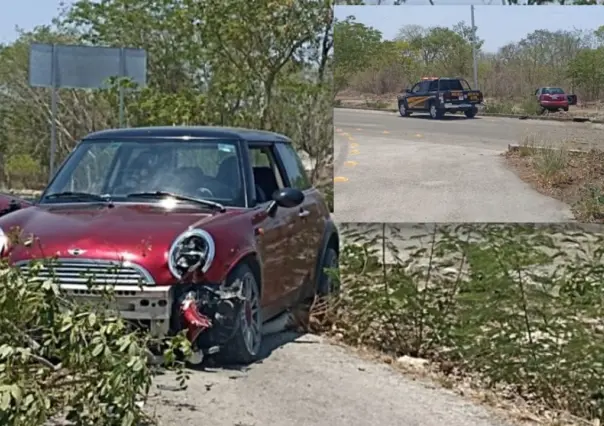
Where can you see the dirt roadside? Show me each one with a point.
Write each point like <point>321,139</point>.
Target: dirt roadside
<point>307,381</point>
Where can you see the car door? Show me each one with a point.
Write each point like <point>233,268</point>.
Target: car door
<point>311,217</point>
<point>418,97</point>
<point>276,232</point>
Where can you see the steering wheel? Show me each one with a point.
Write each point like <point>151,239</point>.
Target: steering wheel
<point>206,192</point>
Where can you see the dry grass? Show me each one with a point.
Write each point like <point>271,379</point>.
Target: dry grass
<point>572,176</point>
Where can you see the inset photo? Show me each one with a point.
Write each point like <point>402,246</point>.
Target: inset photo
<point>469,113</point>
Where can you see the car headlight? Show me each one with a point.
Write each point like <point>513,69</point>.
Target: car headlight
<point>3,242</point>
<point>192,248</point>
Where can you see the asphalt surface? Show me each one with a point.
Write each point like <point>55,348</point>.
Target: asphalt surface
<point>306,381</point>
<point>414,169</point>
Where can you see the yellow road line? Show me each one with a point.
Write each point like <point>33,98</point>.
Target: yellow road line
<point>350,163</point>
<point>354,145</point>
<point>340,179</point>
<point>354,151</point>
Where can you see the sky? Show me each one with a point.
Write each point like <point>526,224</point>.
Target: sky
<point>26,14</point>
<point>497,25</point>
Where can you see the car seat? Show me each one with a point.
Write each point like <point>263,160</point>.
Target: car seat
<point>265,181</point>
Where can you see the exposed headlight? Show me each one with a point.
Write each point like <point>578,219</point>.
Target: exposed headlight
<point>3,242</point>
<point>193,248</point>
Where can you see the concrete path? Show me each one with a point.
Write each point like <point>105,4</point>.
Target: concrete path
<point>305,382</point>
<point>394,169</point>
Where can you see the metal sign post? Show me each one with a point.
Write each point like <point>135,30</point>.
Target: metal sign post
<point>57,66</point>
<point>474,59</point>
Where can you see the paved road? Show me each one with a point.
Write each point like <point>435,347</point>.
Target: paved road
<point>309,382</point>
<point>393,169</point>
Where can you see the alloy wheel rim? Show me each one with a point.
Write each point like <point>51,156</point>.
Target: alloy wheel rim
<point>402,109</point>
<point>250,315</point>
<point>433,111</point>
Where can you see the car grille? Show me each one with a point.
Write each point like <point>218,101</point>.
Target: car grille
<point>88,271</point>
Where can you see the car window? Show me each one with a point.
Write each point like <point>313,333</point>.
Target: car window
<point>433,86</point>
<point>293,166</point>
<point>207,169</point>
<point>553,91</point>
<point>94,169</point>
<point>267,176</point>
<point>465,85</point>
<point>450,85</point>
<point>416,88</point>
<point>423,86</point>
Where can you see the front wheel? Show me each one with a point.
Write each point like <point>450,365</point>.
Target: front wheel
<point>403,111</point>
<point>244,346</point>
<point>471,113</point>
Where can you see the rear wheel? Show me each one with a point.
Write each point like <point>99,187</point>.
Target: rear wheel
<point>244,347</point>
<point>471,113</point>
<point>436,113</point>
<point>326,285</point>
<point>565,109</point>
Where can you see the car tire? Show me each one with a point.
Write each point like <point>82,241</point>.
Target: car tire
<point>402,110</point>
<point>436,113</point>
<point>471,113</point>
<point>565,109</point>
<point>326,285</point>
<point>244,346</point>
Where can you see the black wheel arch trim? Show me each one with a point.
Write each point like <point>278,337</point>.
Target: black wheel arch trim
<point>329,231</point>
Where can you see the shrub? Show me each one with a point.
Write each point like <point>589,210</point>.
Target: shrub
<point>64,360</point>
<point>519,305</point>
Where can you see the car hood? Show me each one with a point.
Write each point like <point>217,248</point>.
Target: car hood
<point>141,233</point>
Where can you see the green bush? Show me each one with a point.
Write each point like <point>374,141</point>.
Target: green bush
<point>519,305</point>
<point>22,171</point>
<point>63,360</point>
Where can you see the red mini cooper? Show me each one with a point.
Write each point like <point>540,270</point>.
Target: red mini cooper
<point>213,230</point>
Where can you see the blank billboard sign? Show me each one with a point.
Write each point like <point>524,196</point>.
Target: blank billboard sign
<point>84,67</point>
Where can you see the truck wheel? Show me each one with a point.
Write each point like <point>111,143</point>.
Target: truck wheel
<point>402,109</point>
<point>244,346</point>
<point>435,112</point>
<point>471,113</point>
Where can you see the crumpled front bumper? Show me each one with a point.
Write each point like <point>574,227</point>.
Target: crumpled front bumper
<point>151,305</point>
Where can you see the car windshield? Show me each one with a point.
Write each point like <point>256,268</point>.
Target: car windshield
<point>118,169</point>
<point>553,91</point>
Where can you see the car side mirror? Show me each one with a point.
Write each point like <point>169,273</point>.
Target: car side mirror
<point>407,90</point>
<point>287,198</point>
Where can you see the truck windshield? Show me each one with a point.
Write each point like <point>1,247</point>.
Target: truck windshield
<point>114,169</point>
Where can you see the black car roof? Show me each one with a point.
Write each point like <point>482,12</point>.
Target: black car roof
<point>189,131</point>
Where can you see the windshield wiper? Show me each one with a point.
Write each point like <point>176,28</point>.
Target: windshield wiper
<point>80,195</point>
<point>201,201</point>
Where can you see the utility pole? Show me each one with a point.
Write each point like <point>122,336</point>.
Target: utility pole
<point>474,60</point>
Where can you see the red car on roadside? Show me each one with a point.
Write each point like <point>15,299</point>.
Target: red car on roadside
<point>212,230</point>
<point>552,99</point>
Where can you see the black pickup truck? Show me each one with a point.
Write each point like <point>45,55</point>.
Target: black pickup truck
<point>439,95</point>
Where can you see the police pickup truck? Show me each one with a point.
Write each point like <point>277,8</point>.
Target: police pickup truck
<point>439,95</point>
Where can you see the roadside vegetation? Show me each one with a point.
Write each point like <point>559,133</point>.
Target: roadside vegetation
<point>371,71</point>
<point>511,314</point>
<point>573,176</point>
<point>215,71</point>
<point>65,362</point>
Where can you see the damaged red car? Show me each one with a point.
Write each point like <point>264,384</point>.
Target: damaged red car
<point>211,230</point>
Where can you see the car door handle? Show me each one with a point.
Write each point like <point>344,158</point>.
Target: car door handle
<point>303,213</point>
